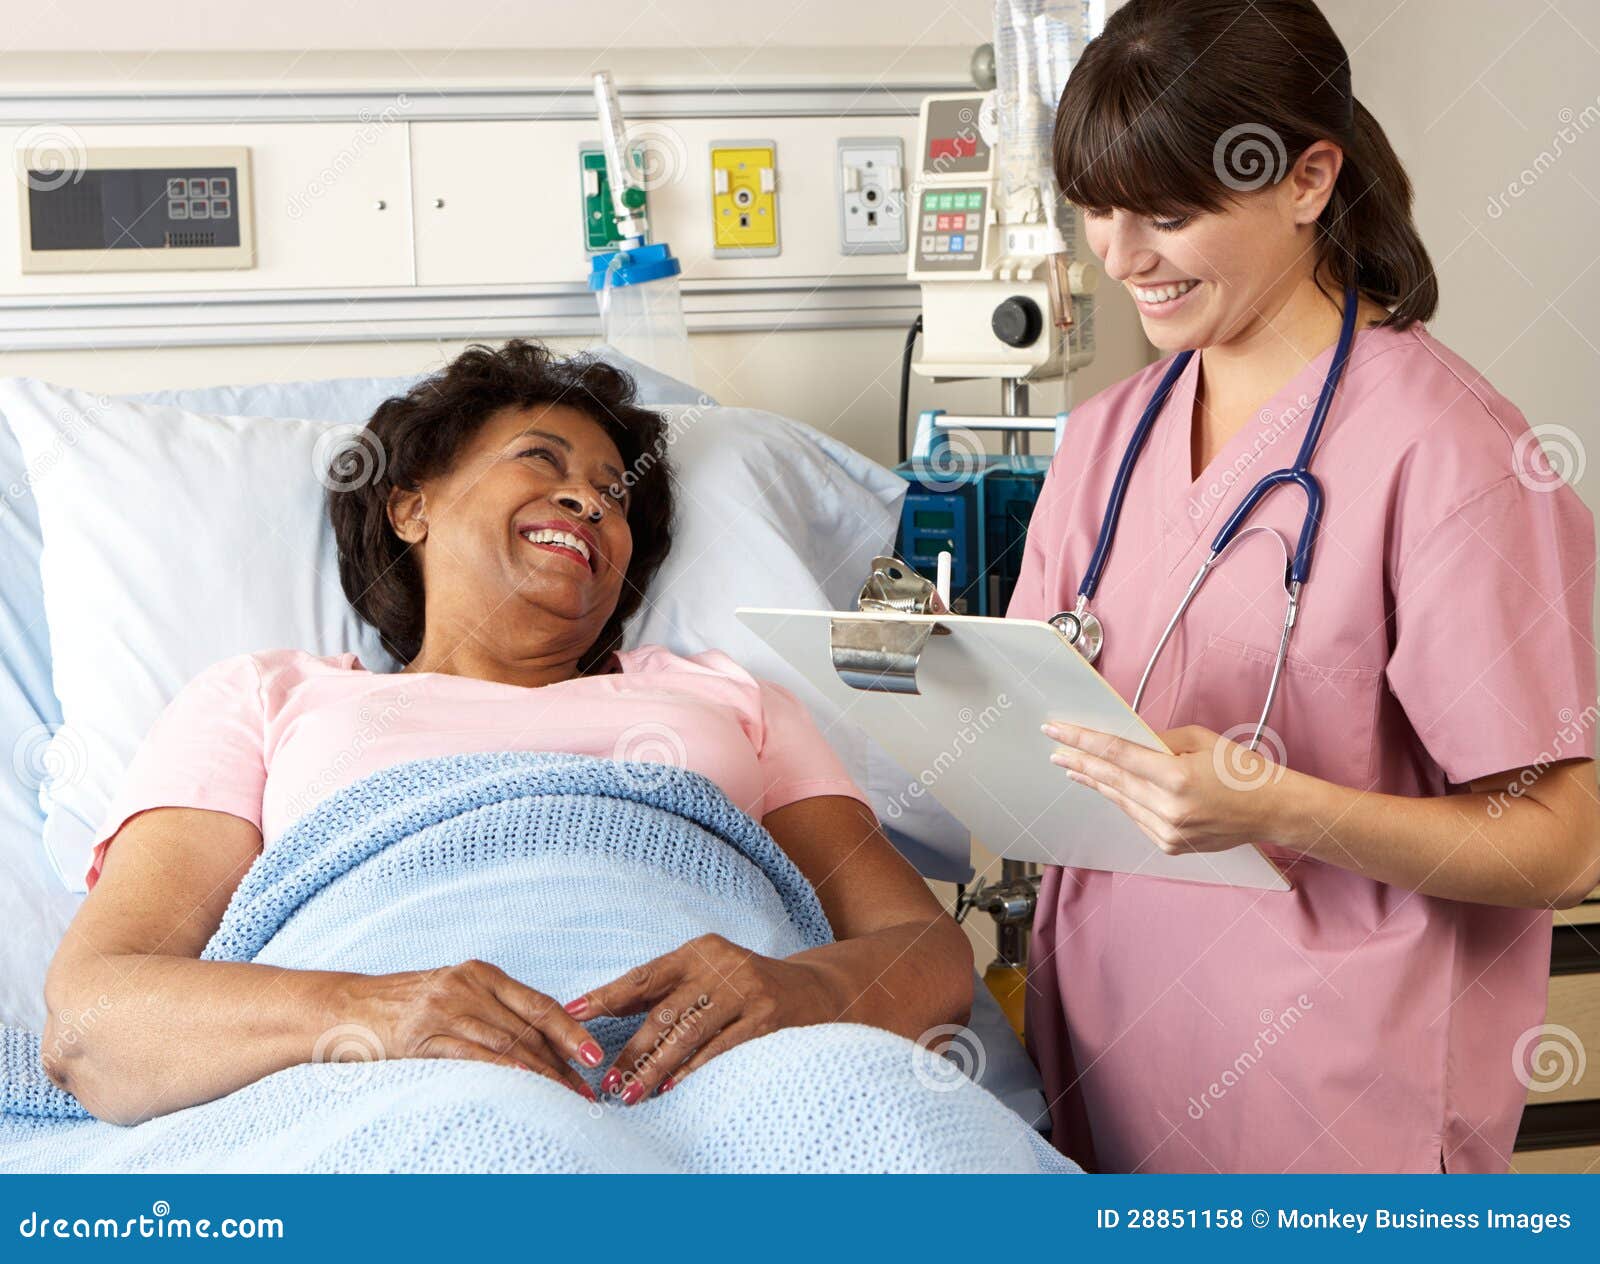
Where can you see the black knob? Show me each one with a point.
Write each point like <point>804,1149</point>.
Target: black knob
<point>1017,321</point>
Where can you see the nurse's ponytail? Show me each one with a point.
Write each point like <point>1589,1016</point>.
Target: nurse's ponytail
<point>1368,220</point>
<point>1181,106</point>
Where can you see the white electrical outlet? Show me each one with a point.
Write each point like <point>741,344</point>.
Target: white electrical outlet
<point>872,200</point>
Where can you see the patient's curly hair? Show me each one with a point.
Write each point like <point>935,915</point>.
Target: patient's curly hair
<point>419,435</point>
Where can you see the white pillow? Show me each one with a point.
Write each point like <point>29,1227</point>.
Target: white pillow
<point>173,539</point>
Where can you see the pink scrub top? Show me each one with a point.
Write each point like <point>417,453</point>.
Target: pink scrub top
<point>1445,634</point>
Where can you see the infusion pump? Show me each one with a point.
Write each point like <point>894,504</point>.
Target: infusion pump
<point>995,301</point>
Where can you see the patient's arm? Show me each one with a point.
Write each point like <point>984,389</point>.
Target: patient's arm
<point>139,1026</point>
<point>899,961</point>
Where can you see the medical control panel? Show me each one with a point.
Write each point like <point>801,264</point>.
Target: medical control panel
<point>952,191</point>
<point>111,210</point>
<point>950,230</point>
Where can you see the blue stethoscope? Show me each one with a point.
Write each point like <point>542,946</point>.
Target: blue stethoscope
<point>1084,630</point>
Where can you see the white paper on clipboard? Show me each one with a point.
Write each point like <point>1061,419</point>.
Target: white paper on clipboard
<point>970,738</point>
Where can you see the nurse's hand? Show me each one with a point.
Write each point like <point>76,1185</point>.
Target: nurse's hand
<point>1210,794</point>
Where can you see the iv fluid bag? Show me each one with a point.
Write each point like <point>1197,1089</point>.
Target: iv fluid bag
<point>1036,44</point>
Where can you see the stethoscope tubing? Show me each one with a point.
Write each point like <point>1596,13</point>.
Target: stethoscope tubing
<point>1087,633</point>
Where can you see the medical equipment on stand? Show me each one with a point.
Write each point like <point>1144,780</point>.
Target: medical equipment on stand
<point>972,505</point>
<point>1080,625</point>
<point>1004,296</point>
<point>641,303</point>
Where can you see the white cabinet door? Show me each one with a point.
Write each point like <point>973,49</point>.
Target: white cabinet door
<point>499,202</point>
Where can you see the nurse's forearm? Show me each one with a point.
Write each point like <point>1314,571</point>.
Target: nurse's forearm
<point>1539,849</point>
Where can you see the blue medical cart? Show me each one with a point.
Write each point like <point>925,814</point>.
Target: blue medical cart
<point>975,504</point>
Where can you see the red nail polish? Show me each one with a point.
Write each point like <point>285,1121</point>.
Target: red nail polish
<point>588,1093</point>
<point>611,1081</point>
<point>591,1052</point>
<point>666,1084</point>
<point>632,1093</point>
<point>576,1007</point>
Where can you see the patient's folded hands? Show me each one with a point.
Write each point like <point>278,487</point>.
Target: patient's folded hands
<point>477,1011</point>
<point>703,999</point>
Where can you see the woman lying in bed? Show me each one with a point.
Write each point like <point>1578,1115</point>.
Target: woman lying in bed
<point>518,512</point>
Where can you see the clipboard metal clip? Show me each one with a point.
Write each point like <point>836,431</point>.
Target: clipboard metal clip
<point>879,654</point>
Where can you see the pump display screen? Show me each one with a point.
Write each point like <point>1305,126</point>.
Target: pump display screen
<point>953,144</point>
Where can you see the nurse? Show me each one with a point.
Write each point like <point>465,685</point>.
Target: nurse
<point>1426,778</point>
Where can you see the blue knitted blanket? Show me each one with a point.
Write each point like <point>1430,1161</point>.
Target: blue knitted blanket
<point>564,871</point>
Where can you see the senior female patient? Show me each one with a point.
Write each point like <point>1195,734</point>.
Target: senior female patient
<point>521,508</point>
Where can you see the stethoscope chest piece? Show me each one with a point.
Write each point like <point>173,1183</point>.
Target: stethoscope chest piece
<point>1082,630</point>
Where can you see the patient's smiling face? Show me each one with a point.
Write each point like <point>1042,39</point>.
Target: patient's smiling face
<point>524,543</point>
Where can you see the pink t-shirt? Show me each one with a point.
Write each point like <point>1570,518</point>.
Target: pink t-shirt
<point>266,736</point>
<point>1445,634</point>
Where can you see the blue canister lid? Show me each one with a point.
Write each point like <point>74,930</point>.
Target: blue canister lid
<point>642,263</point>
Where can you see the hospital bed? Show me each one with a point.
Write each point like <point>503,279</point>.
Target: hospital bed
<point>43,820</point>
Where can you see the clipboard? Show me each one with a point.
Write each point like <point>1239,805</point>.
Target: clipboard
<point>957,700</point>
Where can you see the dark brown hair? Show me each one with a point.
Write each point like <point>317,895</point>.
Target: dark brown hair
<point>419,435</point>
<point>1179,106</point>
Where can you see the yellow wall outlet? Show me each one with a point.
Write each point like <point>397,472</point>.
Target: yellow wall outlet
<point>744,198</point>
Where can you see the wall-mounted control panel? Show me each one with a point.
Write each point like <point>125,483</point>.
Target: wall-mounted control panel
<point>121,210</point>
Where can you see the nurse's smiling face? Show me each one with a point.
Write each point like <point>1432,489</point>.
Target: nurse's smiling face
<point>1213,278</point>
